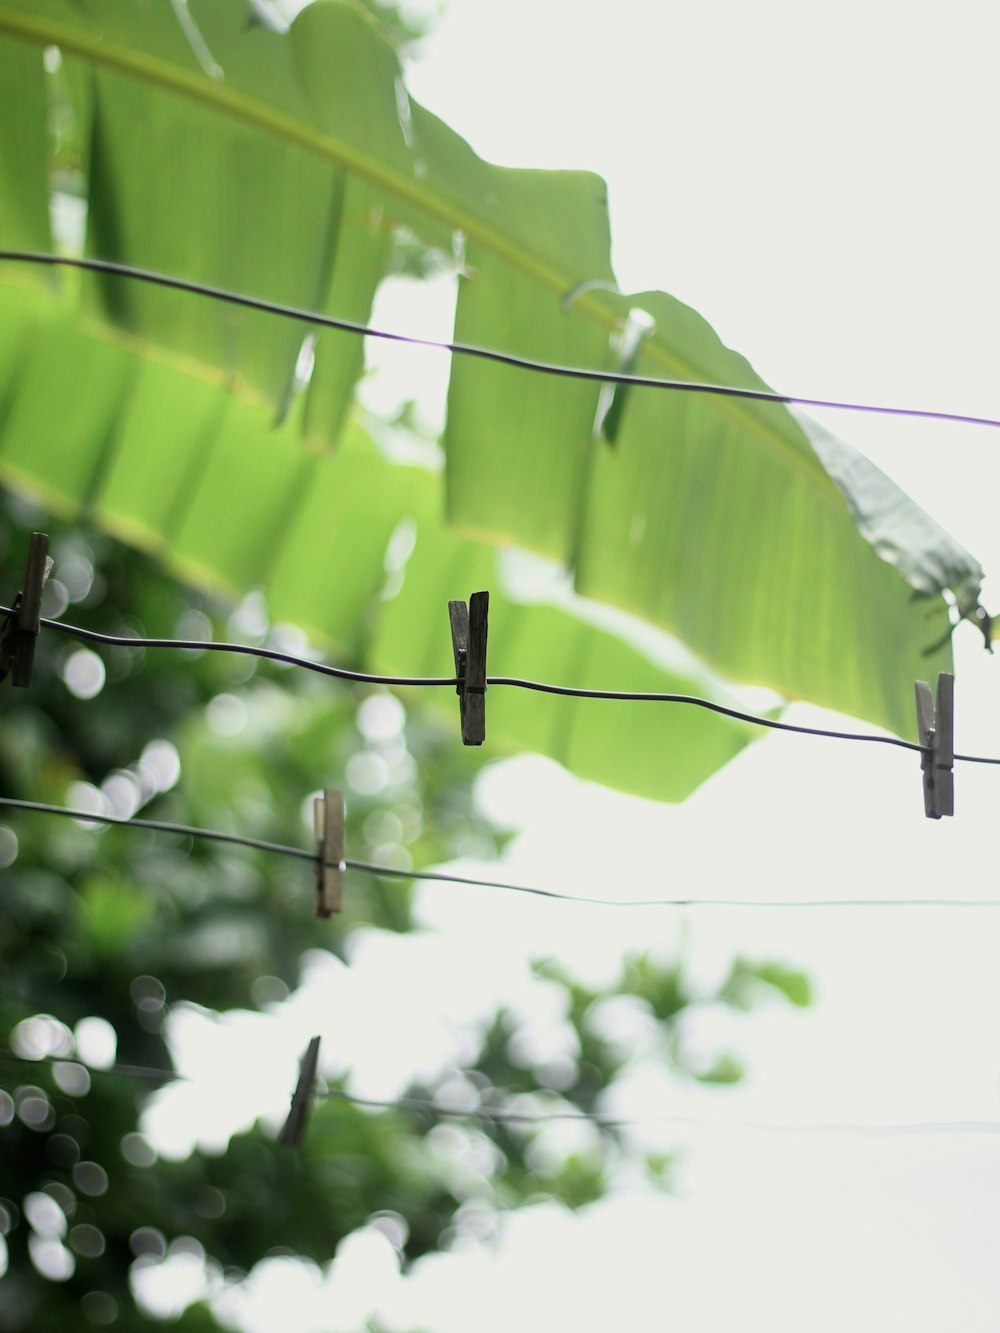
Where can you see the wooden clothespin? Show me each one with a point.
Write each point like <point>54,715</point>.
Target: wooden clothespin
<point>302,1098</point>
<point>936,732</point>
<point>328,815</point>
<point>17,643</point>
<point>468,641</point>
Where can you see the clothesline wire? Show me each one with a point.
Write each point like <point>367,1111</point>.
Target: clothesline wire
<point>516,682</point>
<point>612,1121</point>
<point>443,877</point>
<point>509,1115</point>
<point>318,319</point>
<point>247,649</point>
<point>160,826</point>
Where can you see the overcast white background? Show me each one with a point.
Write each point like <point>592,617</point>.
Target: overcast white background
<point>820,182</point>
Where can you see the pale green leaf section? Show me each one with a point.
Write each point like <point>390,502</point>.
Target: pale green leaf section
<point>899,530</point>
<point>232,174</point>
<point>647,748</point>
<point>24,187</point>
<point>717,519</point>
<point>227,500</point>
<point>518,445</point>
<point>56,450</point>
<point>361,253</point>
<point>750,552</point>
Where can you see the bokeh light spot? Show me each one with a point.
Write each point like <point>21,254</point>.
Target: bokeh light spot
<point>99,1307</point>
<point>160,765</point>
<point>226,715</point>
<point>62,1150</point>
<point>381,718</point>
<point>35,1109</point>
<point>268,990</point>
<point>88,1241</point>
<point>8,847</point>
<point>71,1078</point>
<point>51,1259</point>
<point>367,773</point>
<point>148,1242</point>
<point>137,1150</point>
<point>83,674</point>
<point>40,1036</point>
<point>96,1042</point>
<point>44,1215</point>
<point>90,1178</point>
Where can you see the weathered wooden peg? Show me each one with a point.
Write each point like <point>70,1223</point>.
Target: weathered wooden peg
<point>468,641</point>
<point>936,733</point>
<point>302,1098</point>
<point>328,816</point>
<point>17,643</point>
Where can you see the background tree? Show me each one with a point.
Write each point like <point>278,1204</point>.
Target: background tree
<point>106,931</point>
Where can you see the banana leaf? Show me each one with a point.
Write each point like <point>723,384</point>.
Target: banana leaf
<point>287,164</point>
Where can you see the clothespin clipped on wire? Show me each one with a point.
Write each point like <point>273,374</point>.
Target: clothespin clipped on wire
<point>468,641</point>
<point>328,816</point>
<point>936,732</point>
<point>294,1128</point>
<point>17,642</point>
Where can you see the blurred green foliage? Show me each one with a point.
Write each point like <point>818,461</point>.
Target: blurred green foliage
<point>122,926</point>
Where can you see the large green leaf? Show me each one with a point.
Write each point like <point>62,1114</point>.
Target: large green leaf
<point>282,164</point>
<point>316,531</point>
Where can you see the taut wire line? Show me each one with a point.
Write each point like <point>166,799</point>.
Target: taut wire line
<point>509,1115</point>
<point>443,877</point>
<point>515,682</point>
<point>318,319</point>
<point>247,649</point>
<point>159,826</point>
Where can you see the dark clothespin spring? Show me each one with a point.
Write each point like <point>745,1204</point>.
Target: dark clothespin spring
<point>328,814</point>
<point>468,641</point>
<point>17,643</point>
<point>936,732</point>
<point>302,1098</point>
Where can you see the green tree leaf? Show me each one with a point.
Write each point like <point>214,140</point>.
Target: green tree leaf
<point>748,981</point>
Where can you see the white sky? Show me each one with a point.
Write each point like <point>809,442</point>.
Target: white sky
<point>820,183</point>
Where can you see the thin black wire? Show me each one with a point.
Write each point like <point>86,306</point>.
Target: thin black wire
<point>609,1121</point>
<point>638,696</point>
<point>482,353</point>
<point>570,691</point>
<point>442,877</point>
<point>506,1115</point>
<point>160,826</point>
<point>249,650</point>
<point>128,1071</point>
